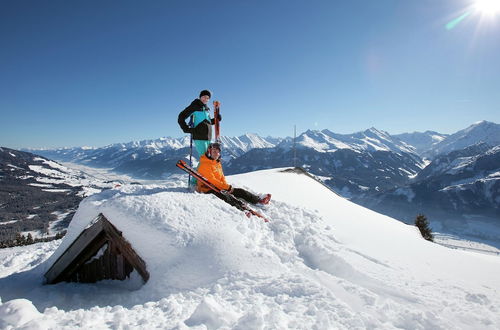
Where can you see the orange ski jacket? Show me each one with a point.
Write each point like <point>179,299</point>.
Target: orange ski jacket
<point>212,170</point>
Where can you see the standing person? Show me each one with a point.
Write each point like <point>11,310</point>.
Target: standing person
<point>202,123</point>
<point>210,167</point>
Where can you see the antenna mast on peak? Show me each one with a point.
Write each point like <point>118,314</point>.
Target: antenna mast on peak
<point>294,148</point>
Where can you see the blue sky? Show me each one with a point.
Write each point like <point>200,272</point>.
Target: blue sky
<point>75,73</point>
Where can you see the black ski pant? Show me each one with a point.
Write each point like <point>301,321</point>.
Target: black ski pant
<point>238,193</point>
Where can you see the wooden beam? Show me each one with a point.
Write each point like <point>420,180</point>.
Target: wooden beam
<point>73,251</point>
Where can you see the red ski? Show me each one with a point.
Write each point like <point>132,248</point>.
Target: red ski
<point>238,203</point>
<point>216,118</point>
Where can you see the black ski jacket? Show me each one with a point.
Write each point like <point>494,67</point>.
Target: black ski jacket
<point>202,131</point>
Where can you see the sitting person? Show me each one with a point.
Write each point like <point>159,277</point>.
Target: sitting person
<point>211,168</point>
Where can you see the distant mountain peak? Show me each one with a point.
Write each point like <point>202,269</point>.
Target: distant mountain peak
<point>483,122</point>
<point>376,131</point>
<point>480,132</point>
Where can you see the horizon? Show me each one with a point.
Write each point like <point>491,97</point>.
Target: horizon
<point>247,133</point>
<point>86,73</point>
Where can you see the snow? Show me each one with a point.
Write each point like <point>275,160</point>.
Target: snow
<point>11,221</point>
<point>98,175</point>
<point>99,254</point>
<point>43,185</point>
<point>57,190</point>
<point>489,183</point>
<point>494,175</point>
<point>14,167</point>
<point>426,162</point>
<point>51,164</point>
<point>48,172</point>
<point>17,312</point>
<point>460,243</point>
<point>33,233</point>
<point>372,143</point>
<point>437,138</point>
<point>322,262</point>
<point>408,173</point>
<point>308,142</point>
<point>372,139</point>
<point>90,182</point>
<point>245,142</point>
<point>53,224</point>
<point>458,164</point>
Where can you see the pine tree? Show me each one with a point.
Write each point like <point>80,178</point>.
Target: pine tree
<point>423,225</point>
<point>20,239</point>
<point>29,239</point>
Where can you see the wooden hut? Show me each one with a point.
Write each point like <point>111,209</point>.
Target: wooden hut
<point>100,252</point>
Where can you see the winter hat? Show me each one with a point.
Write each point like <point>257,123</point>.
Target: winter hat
<point>215,145</point>
<point>206,92</point>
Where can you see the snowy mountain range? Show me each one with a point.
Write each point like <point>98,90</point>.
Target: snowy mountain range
<point>151,159</point>
<point>373,168</point>
<point>322,262</point>
<point>368,140</point>
<point>350,163</point>
<point>117,154</point>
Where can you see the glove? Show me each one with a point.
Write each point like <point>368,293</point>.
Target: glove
<point>219,117</point>
<point>188,130</point>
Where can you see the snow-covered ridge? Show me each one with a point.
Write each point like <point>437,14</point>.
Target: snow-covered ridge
<point>429,143</point>
<point>322,262</point>
<point>246,142</point>
<point>465,160</point>
<point>144,158</point>
<point>480,132</point>
<point>369,140</point>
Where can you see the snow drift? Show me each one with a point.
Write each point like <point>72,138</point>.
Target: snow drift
<point>322,262</point>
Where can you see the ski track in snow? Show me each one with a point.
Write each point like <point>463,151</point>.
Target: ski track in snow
<point>322,264</point>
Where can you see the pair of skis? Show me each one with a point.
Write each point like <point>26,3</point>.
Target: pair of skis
<point>231,199</point>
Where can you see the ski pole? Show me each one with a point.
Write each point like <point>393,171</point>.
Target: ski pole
<point>191,124</point>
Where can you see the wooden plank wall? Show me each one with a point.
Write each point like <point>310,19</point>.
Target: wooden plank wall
<point>80,264</point>
<point>111,265</point>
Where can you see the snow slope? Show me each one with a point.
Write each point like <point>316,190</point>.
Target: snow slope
<point>322,262</point>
